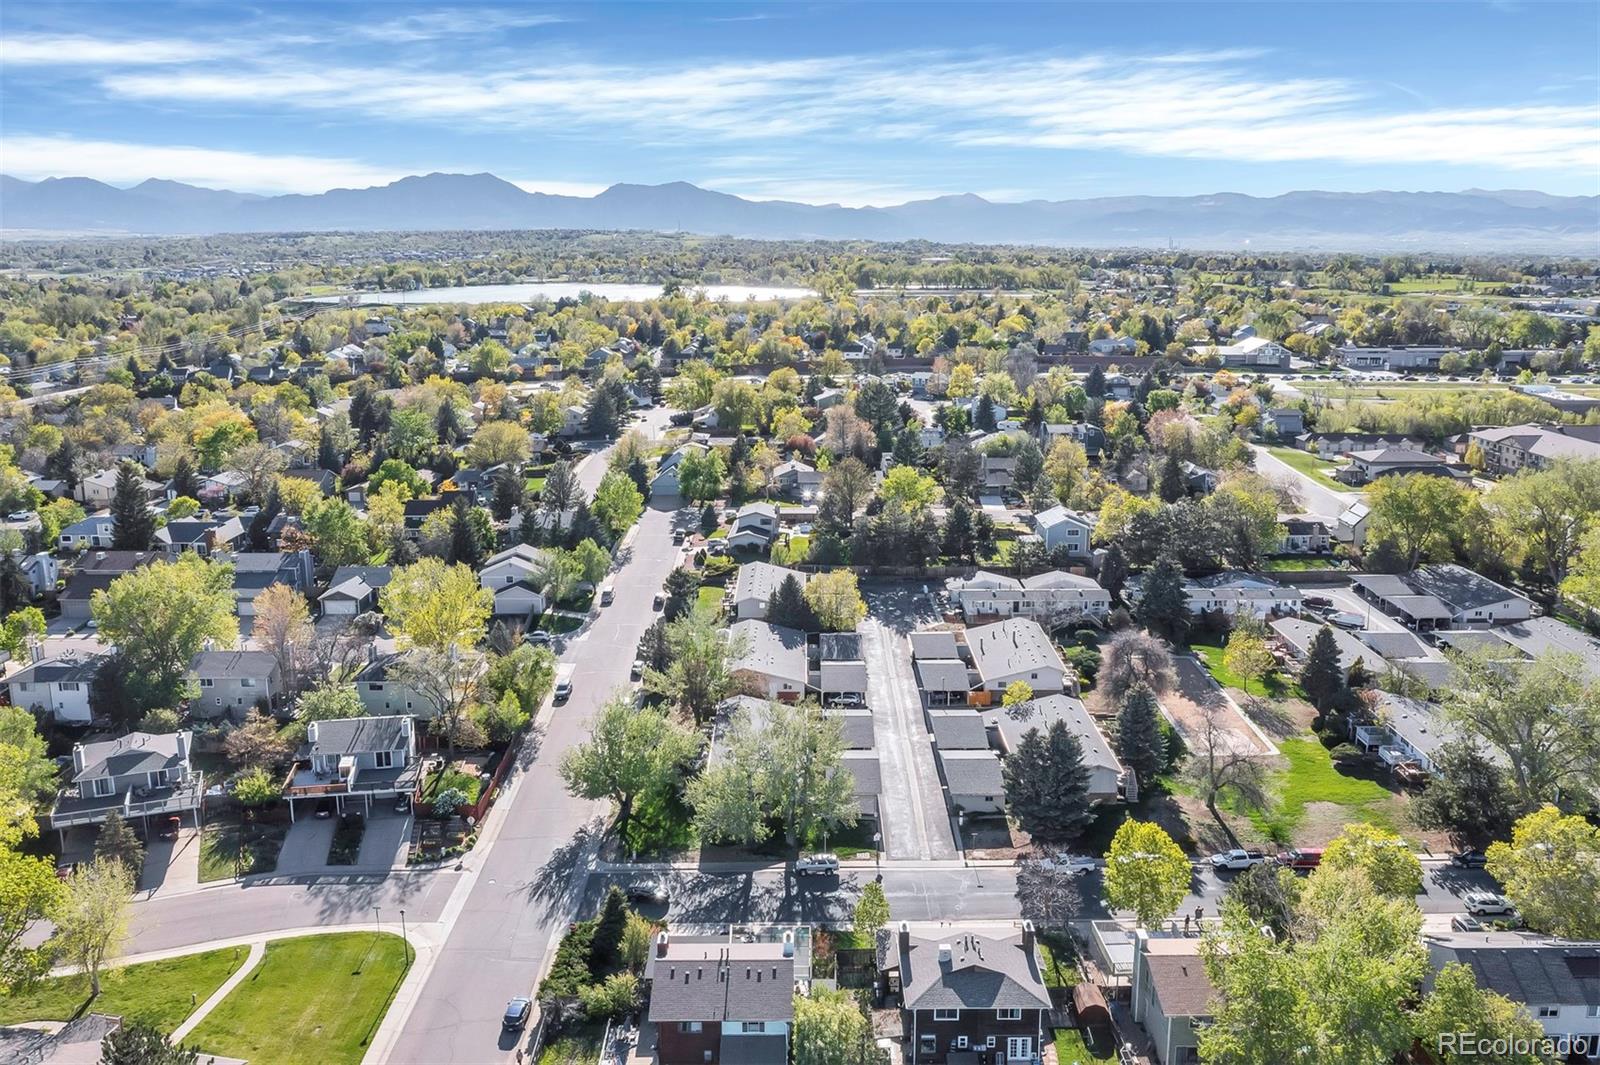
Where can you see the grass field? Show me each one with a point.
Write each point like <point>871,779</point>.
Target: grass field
<point>1318,469</point>
<point>1299,562</point>
<point>224,852</point>
<point>1273,684</point>
<point>157,993</point>
<point>314,999</point>
<point>558,624</point>
<point>445,779</point>
<point>1312,777</point>
<point>1071,1050</point>
<point>708,597</point>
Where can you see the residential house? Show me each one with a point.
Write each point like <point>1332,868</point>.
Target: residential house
<point>233,682</point>
<point>325,481</point>
<point>754,527</point>
<point>416,511</point>
<point>1352,525</point>
<point>665,481</point>
<point>1050,597</point>
<point>98,489</point>
<point>1530,639</point>
<point>1331,445</point>
<point>1286,422</point>
<point>774,658</point>
<point>1232,592</point>
<point>98,530</point>
<point>1065,530</point>
<point>1304,535</point>
<point>1444,596</point>
<point>1007,725</point>
<point>967,990</point>
<point>42,571</point>
<point>973,781</point>
<point>513,576</point>
<point>353,590</point>
<point>1295,636</point>
<point>203,536</point>
<point>798,481</point>
<point>1556,980</point>
<point>93,572</point>
<point>755,586</point>
<point>1091,437</point>
<point>256,571</point>
<point>1017,649</point>
<point>1368,466</point>
<point>841,666</point>
<point>140,775</point>
<point>1255,353</point>
<point>829,397</point>
<point>998,472</point>
<point>383,694</point>
<point>58,686</point>
<point>1198,480</point>
<point>719,1000</point>
<point>1114,346</point>
<point>219,489</point>
<point>354,761</point>
<point>1408,730</point>
<point>1507,449</point>
<point>942,674</point>
<point>1171,996</point>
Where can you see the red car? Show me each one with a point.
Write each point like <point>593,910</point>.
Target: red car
<point>167,827</point>
<point>1301,859</point>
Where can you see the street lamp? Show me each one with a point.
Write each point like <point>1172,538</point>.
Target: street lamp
<point>877,850</point>
<point>406,939</point>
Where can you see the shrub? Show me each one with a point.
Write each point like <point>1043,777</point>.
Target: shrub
<point>449,801</point>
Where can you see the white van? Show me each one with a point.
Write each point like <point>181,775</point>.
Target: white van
<point>564,674</point>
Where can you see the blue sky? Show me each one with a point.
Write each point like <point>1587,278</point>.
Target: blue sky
<point>848,103</point>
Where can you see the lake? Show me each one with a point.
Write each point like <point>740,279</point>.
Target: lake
<point>524,291</point>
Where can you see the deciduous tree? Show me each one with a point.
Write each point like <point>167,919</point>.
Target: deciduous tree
<point>160,616</point>
<point>93,919</point>
<point>617,503</point>
<point>830,1029</point>
<point>1551,871</point>
<point>30,892</point>
<point>835,599</point>
<point>436,606</point>
<point>1146,872</point>
<point>630,754</point>
<point>1382,856</point>
<point>282,628</point>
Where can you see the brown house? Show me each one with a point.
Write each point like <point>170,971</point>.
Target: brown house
<point>715,1001</point>
<point>970,995</point>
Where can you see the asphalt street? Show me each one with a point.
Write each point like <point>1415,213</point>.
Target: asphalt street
<point>1317,499</point>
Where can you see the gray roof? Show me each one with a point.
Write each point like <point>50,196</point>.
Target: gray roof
<point>984,972</point>
<point>1525,968</point>
<point>1014,722</point>
<point>137,752</point>
<point>1394,644</point>
<point>934,643</point>
<point>858,732</point>
<point>864,767</point>
<point>760,580</point>
<point>1460,587</point>
<point>1179,977</point>
<point>959,730</point>
<point>1538,636</point>
<point>839,647</point>
<point>371,576</point>
<point>1420,724</point>
<point>943,675</point>
<point>772,650</point>
<point>68,668</point>
<point>972,772</point>
<point>352,735</point>
<point>219,665</point>
<point>753,1050</point>
<point>701,981</point>
<point>1016,645</point>
<point>1299,633</point>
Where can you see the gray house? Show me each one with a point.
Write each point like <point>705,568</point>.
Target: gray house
<point>232,682</point>
<point>354,761</point>
<point>138,775</point>
<point>1171,993</point>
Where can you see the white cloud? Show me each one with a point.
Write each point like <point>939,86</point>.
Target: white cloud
<point>451,22</point>
<point>120,163</point>
<point>33,49</point>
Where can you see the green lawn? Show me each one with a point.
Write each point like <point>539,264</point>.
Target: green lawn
<point>313,999</point>
<point>580,1046</point>
<point>709,598</point>
<point>558,624</point>
<point>444,779</point>
<point>1314,467</point>
<point>1055,955</point>
<point>224,853</point>
<point>1313,777</point>
<point>1273,684</point>
<point>157,993</point>
<point>792,552</point>
<point>1300,562</point>
<point>1070,1049</point>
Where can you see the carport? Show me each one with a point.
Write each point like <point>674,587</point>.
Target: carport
<point>944,681</point>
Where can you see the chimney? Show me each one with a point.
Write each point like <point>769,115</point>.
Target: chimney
<point>944,954</point>
<point>661,945</point>
<point>1027,938</point>
<point>788,944</point>
<point>903,939</point>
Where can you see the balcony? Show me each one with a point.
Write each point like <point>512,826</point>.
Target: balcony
<point>73,808</point>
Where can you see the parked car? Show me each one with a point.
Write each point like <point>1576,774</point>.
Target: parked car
<point>636,671</point>
<point>324,807</point>
<point>167,827</point>
<point>1317,601</point>
<point>650,891</point>
<point>1346,620</point>
<point>517,1012</point>
<point>1070,864</point>
<point>1462,922</point>
<point>20,515</point>
<point>1487,904</point>
<point>848,699</point>
<point>1237,859</point>
<point>659,602</point>
<point>678,536</point>
<point>1301,858</point>
<point>1469,859</point>
<point>823,864</point>
<point>538,638</point>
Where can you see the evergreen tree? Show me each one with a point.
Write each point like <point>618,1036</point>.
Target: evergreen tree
<point>585,526</point>
<point>1321,676</point>
<point>958,538</point>
<point>561,490</point>
<point>466,547</point>
<point>1170,484</point>
<point>604,417</point>
<point>1095,383</point>
<point>184,482</point>
<point>508,488</point>
<point>789,606</point>
<point>1029,468</point>
<point>117,843</point>
<point>262,522</point>
<point>605,949</point>
<point>908,449</point>
<point>1047,784</point>
<point>983,535</point>
<point>1471,799</point>
<point>362,418</point>
<point>1114,570</point>
<point>638,471</point>
<point>327,454</point>
<point>133,524</point>
<point>15,591</point>
<point>1140,744</point>
<point>681,588</point>
<point>984,417</point>
<point>63,463</point>
<point>1163,606</point>
<point>447,426</point>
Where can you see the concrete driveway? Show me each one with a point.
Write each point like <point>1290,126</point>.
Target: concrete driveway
<point>1193,693</point>
<point>305,848</point>
<point>386,840</point>
<point>171,865</point>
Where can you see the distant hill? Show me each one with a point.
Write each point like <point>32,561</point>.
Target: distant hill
<point>1475,220</point>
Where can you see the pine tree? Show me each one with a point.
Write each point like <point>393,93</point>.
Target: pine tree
<point>984,417</point>
<point>447,426</point>
<point>605,947</point>
<point>1047,784</point>
<point>789,607</point>
<point>118,843</point>
<point>184,482</point>
<point>958,542</point>
<point>561,489</point>
<point>63,463</point>
<point>1321,676</point>
<point>508,488</point>
<point>1170,484</point>
<point>361,416</point>
<point>1163,604</point>
<point>603,417</point>
<point>465,546</point>
<point>1140,744</point>
<point>983,534</point>
<point>327,453</point>
<point>15,590</point>
<point>133,525</point>
<point>639,471</point>
<point>1114,570</point>
<point>1095,383</point>
<point>261,524</point>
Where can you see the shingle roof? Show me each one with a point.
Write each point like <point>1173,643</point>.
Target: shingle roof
<point>1179,977</point>
<point>972,772</point>
<point>699,981</point>
<point>68,668</point>
<point>934,643</point>
<point>760,580</point>
<point>771,650</point>
<point>217,665</point>
<point>983,972</point>
<point>1014,722</point>
<point>1460,587</point>
<point>959,730</point>
<point>943,675</point>
<point>354,734</point>
<point>839,647</point>
<point>1525,968</point>
<point>137,752</point>
<point>1016,645</point>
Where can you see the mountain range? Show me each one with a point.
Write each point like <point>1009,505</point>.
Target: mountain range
<point>1473,220</point>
